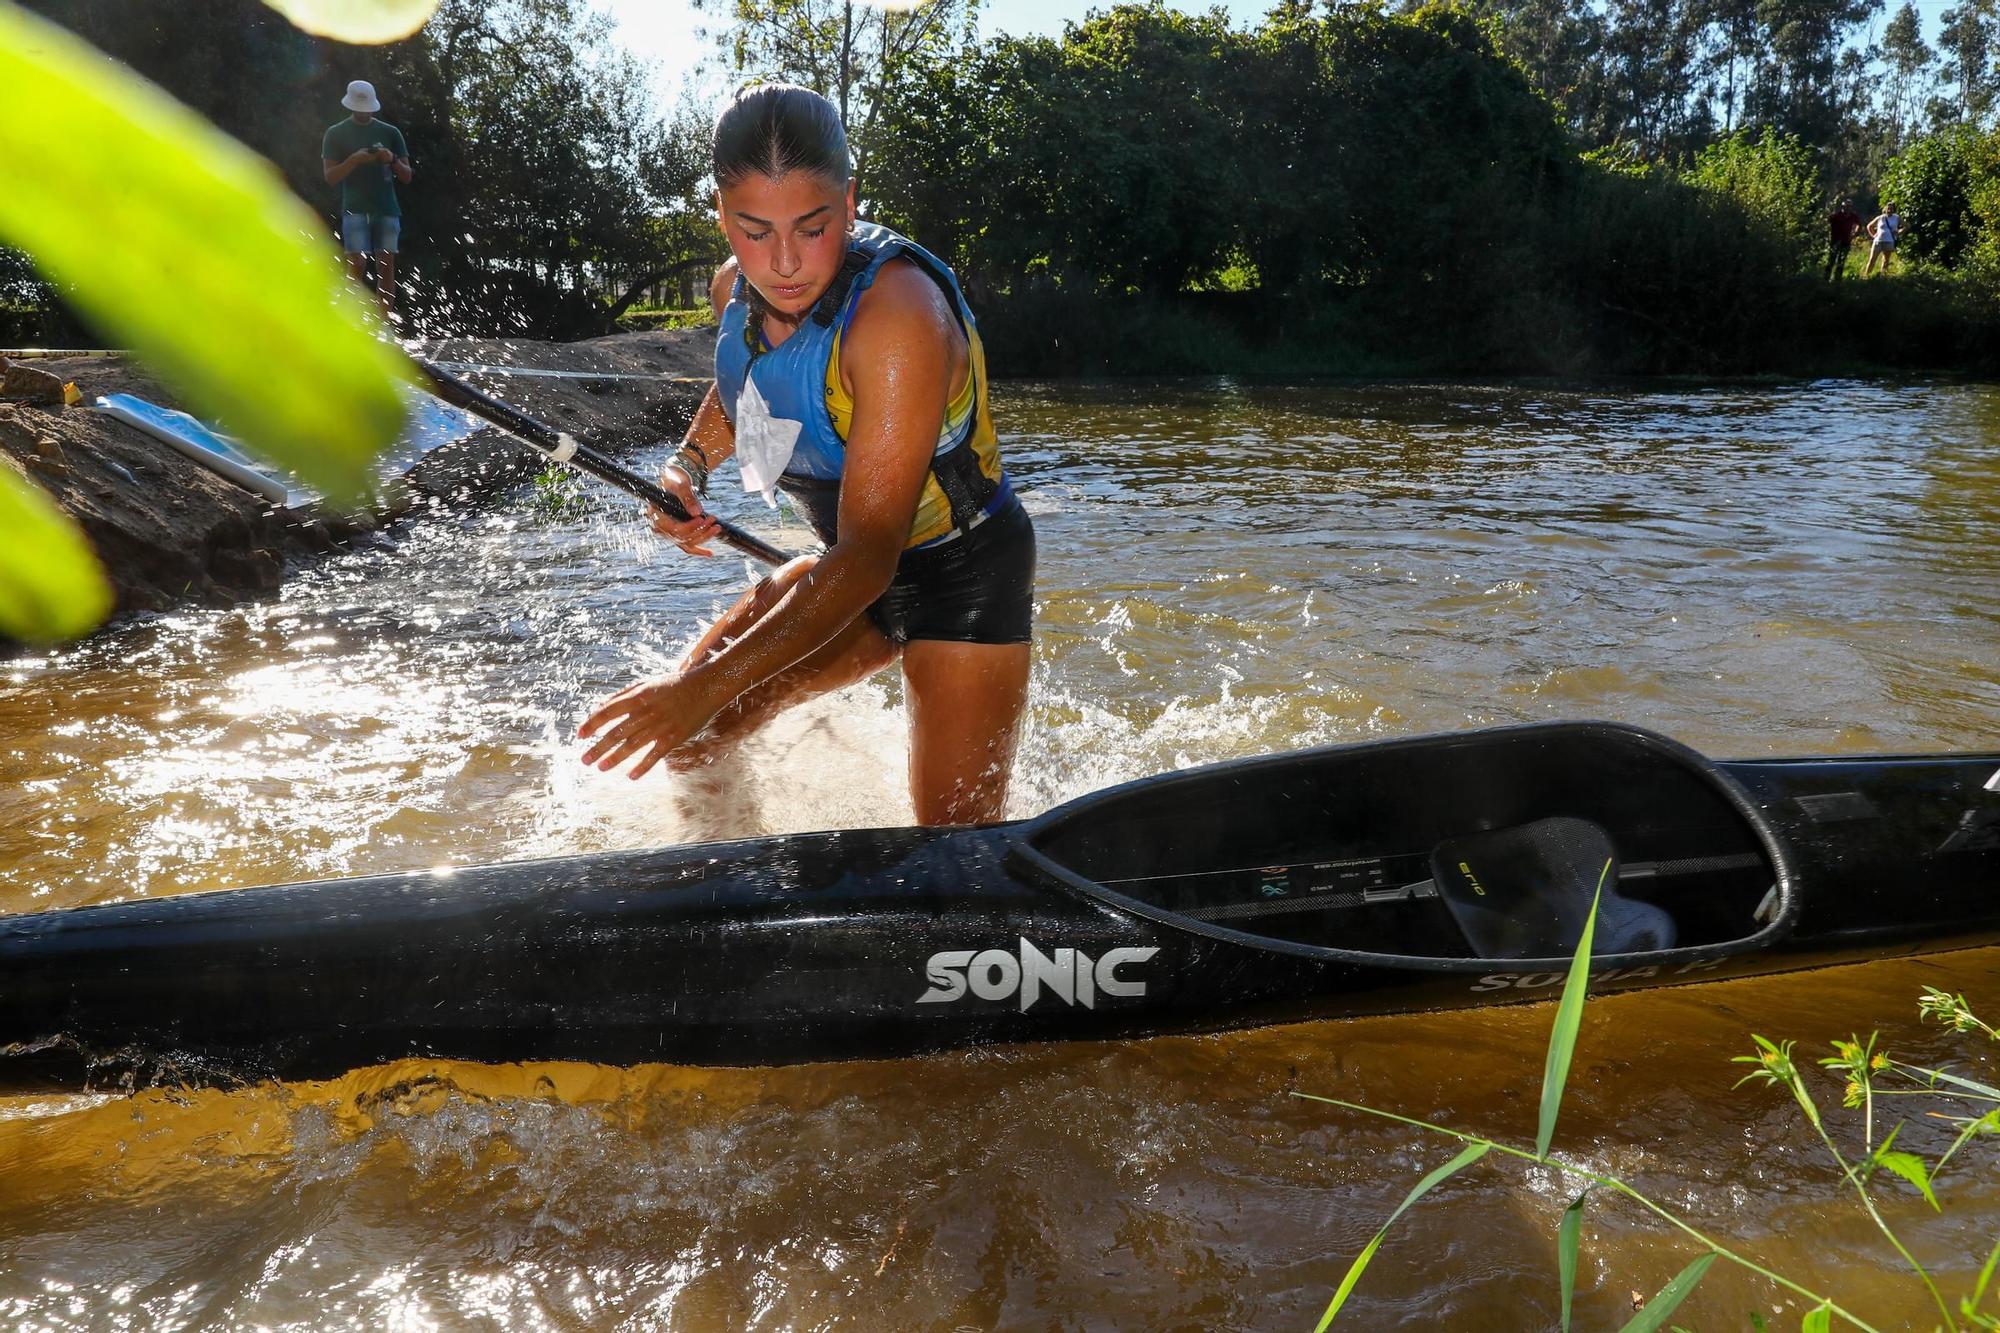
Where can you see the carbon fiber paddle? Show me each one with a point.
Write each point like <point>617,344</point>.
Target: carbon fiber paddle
<point>565,448</point>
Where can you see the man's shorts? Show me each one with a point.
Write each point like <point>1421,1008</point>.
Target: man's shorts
<point>370,233</point>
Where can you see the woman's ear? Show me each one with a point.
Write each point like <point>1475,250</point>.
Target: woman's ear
<point>852,217</point>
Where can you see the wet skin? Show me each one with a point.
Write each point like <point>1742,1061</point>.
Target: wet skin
<point>802,631</point>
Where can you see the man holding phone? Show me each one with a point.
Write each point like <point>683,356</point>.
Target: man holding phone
<point>366,157</point>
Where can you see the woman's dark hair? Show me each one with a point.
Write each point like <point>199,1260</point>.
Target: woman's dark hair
<point>775,128</point>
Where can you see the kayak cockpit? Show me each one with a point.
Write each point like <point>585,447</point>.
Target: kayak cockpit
<point>1479,846</point>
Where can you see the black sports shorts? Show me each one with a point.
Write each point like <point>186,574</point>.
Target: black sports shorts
<point>978,588</point>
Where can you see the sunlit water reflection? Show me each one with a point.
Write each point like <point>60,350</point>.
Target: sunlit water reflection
<point>1226,569</point>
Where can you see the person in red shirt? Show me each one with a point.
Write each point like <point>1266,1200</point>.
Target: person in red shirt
<point>1841,226</point>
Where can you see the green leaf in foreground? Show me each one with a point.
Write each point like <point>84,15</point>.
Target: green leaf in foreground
<point>1569,1018</point>
<point>188,247</point>
<point>1670,1296</point>
<point>362,22</point>
<point>1818,1320</point>
<point>1472,1153</point>
<point>1568,1236</point>
<point>51,586</point>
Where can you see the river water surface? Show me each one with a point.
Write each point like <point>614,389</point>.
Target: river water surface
<point>1226,569</point>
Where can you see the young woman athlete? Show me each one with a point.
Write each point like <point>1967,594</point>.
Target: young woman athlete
<point>848,374</point>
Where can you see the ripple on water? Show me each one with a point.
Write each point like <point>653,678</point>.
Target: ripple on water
<point>1225,570</point>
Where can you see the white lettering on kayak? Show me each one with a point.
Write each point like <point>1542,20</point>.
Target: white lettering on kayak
<point>1071,975</point>
<point>1537,980</point>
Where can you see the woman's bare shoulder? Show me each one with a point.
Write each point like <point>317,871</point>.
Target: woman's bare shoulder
<point>903,302</point>
<point>721,284</point>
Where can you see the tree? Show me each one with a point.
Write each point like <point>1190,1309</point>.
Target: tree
<point>1966,42</point>
<point>846,51</point>
<point>1107,161</point>
<point>1906,60</point>
<point>1560,45</point>
<point>1798,90</point>
<point>681,235</point>
<point>1658,93</point>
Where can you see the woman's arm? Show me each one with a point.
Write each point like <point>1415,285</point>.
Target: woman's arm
<point>711,437</point>
<point>898,355</point>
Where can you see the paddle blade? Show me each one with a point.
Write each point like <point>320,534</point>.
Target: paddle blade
<point>1670,1296</point>
<point>1473,1152</point>
<point>1569,1019</point>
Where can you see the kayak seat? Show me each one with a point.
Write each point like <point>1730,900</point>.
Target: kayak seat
<point>1525,891</point>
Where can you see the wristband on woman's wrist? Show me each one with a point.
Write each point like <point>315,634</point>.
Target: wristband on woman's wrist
<point>692,461</point>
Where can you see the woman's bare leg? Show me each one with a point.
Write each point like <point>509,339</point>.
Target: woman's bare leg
<point>965,702</point>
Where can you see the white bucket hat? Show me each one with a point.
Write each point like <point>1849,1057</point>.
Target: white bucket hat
<point>361,97</point>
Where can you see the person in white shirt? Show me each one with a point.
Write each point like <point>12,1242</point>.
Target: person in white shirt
<point>1882,232</point>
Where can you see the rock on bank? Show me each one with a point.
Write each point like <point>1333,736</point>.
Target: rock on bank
<point>171,532</point>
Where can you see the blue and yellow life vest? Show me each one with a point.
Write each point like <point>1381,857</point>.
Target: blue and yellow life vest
<point>800,381</point>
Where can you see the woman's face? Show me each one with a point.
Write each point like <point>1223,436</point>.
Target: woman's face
<point>788,233</point>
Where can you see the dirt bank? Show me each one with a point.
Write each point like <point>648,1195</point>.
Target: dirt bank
<point>172,532</point>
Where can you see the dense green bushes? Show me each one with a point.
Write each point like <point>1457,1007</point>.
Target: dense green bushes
<point>1773,179</point>
<point>1381,193</point>
<point>1932,183</point>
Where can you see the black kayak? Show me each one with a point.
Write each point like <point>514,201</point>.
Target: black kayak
<point>1428,873</point>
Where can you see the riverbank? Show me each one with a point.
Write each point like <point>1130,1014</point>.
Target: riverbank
<point>172,532</point>
<point>1917,324</point>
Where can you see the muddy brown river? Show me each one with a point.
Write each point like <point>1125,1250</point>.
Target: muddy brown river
<point>1227,569</point>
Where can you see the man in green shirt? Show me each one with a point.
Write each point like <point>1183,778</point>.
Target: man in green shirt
<point>365,157</point>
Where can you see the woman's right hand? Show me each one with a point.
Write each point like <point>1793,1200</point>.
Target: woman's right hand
<point>699,528</point>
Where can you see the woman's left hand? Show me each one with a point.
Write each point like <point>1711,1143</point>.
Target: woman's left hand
<point>664,713</point>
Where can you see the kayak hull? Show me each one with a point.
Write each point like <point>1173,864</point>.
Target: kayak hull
<point>881,944</point>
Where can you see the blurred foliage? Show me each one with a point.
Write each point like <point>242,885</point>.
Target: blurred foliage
<point>547,184</point>
<point>357,20</point>
<point>183,245</point>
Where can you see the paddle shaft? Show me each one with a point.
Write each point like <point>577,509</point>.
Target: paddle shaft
<point>565,448</point>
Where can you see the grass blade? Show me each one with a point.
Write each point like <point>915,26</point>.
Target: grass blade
<point>1969,1305</point>
<point>187,247</point>
<point>51,586</point>
<point>1939,1076</point>
<point>1569,1018</point>
<point>1670,1296</point>
<point>1568,1236</point>
<point>1473,1152</point>
<point>1817,1321</point>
